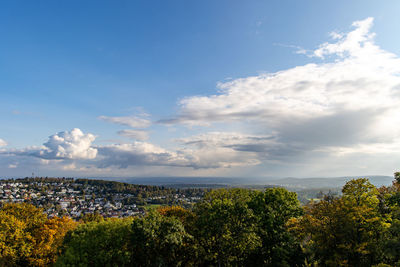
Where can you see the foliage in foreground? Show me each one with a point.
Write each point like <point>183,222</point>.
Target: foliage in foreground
<point>28,238</point>
<point>235,227</point>
<point>98,243</point>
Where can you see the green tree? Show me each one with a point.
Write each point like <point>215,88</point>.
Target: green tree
<point>397,177</point>
<point>366,223</point>
<point>225,227</point>
<point>391,204</point>
<point>344,231</point>
<point>92,217</point>
<point>104,243</point>
<point>160,241</point>
<point>273,209</point>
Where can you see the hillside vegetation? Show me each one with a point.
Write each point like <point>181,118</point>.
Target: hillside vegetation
<point>228,227</point>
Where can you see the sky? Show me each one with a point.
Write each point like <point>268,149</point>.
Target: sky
<point>199,88</point>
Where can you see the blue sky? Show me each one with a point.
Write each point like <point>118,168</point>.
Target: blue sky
<point>93,65</point>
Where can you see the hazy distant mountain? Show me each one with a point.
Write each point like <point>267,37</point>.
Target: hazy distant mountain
<point>328,182</point>
<point>290,182</point>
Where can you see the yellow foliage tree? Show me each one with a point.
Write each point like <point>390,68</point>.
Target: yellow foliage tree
<point>15,242</point>
<point>175,211</point>
<point>48,240</point>
<point>28,237</point>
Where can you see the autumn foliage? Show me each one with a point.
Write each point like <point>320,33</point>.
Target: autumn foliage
<point>176,211</point>
<point>229,227</point>
<point>28,238</point>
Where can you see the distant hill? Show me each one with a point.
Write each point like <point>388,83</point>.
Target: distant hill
<point>289,182</point>
<point>332,182</point>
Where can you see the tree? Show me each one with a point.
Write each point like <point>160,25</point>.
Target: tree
<point>390,198</point>
<point>18,223</point>
<point>273,209</point>
<point>361,200</point>
<point>225,227</point>
<point>104,243</point>
<point>34,217</point>
<point>160,241</point>
<point>16,242</point>
<point>320,230</point>
<point>48,240</point>
<point>28,238</point>
<point>176,211</point>
<point>92,217</point>
<point>343,231</point>
<point>397,177</point>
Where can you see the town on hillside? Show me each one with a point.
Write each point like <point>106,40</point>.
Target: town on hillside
<point>77,197</point>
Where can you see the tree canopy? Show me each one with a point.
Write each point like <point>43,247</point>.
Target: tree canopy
<point>228,227</point>
<point>28,238</point>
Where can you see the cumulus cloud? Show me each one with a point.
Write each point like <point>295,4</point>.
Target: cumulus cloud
<point>134,134</point>
<point>225,149</point>
<point>2,142</point>
<point>131,121</point>
<point>229,149</point>
<point>72,144</point>
<point>193,154</point>
<point>138,153</point>
<point>214,150</point>
<point>349,101</point>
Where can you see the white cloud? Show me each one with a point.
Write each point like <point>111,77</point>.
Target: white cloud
<point>13,166</point>
<point>232,140</point>
<point>336,35</point>
<point>131,121</point>
<point>2,142</point>
<point>348,102</point>
<point>64,145</point>
<point>225,149</point>
<point>134,134</point>
<point>70,145</point>
<point>138,153</point>
<point>69,167</point>
<point>214,150</point>
<point>350,44</point>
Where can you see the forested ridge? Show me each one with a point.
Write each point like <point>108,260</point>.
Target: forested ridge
<point>228,227</point>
